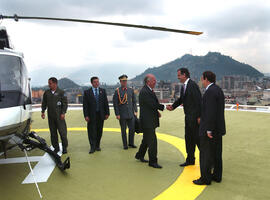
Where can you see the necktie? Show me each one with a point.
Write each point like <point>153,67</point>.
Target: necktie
<point>182,92</point>
<point>96,97</point>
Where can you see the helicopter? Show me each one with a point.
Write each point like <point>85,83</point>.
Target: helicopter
<point>16,105</point>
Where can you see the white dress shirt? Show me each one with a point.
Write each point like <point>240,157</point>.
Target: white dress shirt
<point>185,85</point>
<point>208,86</point>
<point>150,88</point>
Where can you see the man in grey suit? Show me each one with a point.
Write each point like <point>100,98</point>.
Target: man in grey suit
<point>125,108</point>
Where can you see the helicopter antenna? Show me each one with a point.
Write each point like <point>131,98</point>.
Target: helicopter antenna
<point>16,18</point>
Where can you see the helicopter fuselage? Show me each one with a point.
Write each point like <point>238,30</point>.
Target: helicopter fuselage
<point>15,92</point>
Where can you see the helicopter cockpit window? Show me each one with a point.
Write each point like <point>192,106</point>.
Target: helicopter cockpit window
<point>10,73</point>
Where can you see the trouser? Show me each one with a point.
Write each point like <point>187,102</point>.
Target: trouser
<point>60,125</point>
<point>131,126</point>
<point>95,128</point>
<point>211,157</point>
<point>191,139</point>
<point>149,141</point>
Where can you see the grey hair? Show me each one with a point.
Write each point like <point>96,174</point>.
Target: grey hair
<point>146,78</point>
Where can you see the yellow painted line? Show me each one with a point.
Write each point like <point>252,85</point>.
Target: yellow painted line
<point>183,188</point>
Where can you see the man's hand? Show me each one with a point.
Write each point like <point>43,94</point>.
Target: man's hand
<point>209,135</point>
<point>135,113</point>
<point>87,119</point>
<point>118,117</point>
<point>159,115</point>
<point>43,115</point>
<point>169,107</point>
<point>199,120</point>
<point>62,116</point>
<point>106,117</point>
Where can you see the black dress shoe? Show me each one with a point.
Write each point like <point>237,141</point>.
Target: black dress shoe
<point>64,151</point>
<point>98,149</point>
<point>155,165</point>
<point>201,182</point>
<point>91,151</point>
<point>125,147</point>
<point>132,146</point>
<point>187,164</point>
<point>141,159</point>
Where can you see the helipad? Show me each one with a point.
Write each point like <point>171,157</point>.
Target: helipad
<point>114,173</point>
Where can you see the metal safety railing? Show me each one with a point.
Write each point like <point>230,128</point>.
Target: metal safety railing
<point>233,107</point>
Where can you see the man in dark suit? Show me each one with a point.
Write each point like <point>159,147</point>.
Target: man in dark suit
<point>190,97</point>
<point>95,110</point>
<point>149,119</point>
<point>125,108</point>
<point>212,128</point>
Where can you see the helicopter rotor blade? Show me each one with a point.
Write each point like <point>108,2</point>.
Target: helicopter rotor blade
<point>16,18</point>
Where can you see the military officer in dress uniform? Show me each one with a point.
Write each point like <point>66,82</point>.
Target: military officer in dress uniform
<point>125,107</point>
<point>55,101</point>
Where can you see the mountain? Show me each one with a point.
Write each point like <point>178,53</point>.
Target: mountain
<point>220,64</point>
<point>40,77</point>
<point>65,83</point>
<point>107,72</point>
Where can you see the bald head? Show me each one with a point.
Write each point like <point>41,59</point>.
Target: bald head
<point>150,80</point>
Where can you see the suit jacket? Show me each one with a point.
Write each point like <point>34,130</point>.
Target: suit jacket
<point>126,111</point>
<point>191,100</point>
<point>89,104</point>
<point>212,117</point>
<point>149,107</point>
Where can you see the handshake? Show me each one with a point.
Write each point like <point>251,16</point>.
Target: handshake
<point>169,107</point>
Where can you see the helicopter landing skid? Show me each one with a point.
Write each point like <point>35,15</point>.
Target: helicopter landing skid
<point>28,143</point>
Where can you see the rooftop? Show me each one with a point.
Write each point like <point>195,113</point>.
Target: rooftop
<point>114,173</point>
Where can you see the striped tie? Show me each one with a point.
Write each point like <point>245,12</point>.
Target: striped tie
<point>97,101</point>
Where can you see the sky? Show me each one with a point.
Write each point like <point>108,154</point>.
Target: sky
<point>240,29</point>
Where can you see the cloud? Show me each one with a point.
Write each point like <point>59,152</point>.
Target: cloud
<point>81,8</point>
<point>236,21</point>
<point>236,28</point>
<point>143,35</point>
<point>108,73</point>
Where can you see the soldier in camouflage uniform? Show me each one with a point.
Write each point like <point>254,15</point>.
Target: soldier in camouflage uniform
<point>124,102</point>
<point>55,101</point>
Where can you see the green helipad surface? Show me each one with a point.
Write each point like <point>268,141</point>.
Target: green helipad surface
<point>114,173</point>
